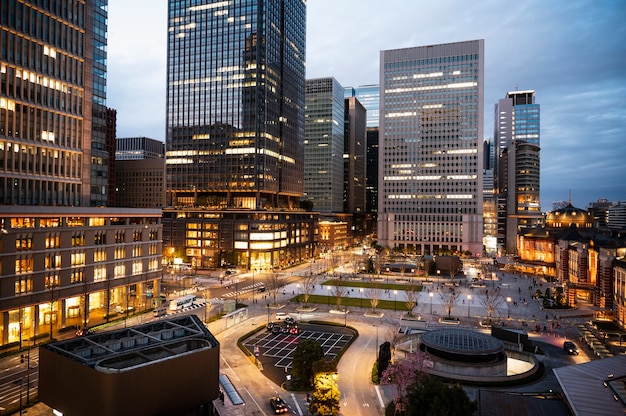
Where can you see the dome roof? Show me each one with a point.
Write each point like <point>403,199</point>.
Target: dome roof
<point>460,341</point>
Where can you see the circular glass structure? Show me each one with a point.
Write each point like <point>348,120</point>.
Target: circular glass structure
<point>462,345</point>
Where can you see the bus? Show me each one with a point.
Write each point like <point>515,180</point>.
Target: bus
<point>182,302</point>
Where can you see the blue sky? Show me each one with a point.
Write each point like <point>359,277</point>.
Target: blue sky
<point>572,53</point>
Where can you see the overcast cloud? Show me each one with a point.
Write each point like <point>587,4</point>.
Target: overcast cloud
<point>572,53</point>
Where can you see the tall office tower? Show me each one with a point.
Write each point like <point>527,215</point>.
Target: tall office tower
<point>323,145</point>
<point>101,159</point>
<point>431,151</point>
<point>354,148</point>
<point>110,133</point>
<point>516,170</point>
<point>129,148</point>
<point>369,96</point>
<point>489,200</point>
<point>64,263</point>
<point>235,102</point>
<point>47,91</point>
<point>235,124</point>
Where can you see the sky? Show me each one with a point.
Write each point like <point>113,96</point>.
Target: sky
<point>572,53</point>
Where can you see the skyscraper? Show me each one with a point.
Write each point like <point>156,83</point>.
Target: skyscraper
<point>517,167</point>
<point>235,102</point>
<point>235,131</point>
<point>63,263</point>
<point>324,145</point>
<point>430,164</point>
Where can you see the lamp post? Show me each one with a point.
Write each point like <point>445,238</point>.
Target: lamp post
<point>253,288</point>
<point>469,299</point>
<point>431,294</point>
<point>395,301</point>
<point>361,290</point>
<point>508,306</point>
<point>328,297</point>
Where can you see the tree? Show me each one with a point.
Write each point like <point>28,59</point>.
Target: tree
<point>403,372</point>
<point>412,296</point>
<point>430,396</point>
<point>308,283</point>
<point>449,301</point>
<point>384,357</point>
<point>339,292</point>
<point>326,394</point>
<point>374,294</point>
<point>491,302</point>
<point>273,285</point>
<point>306,354</point>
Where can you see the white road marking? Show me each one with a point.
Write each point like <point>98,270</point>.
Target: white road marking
<point>380,398</point>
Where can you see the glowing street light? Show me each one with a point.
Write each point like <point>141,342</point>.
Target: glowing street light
<point>361,290</point>
<point>395,301</point>
<point>431,294</point>
<point>508,306</point>
<point>328,287</point>
<point>469,299</point>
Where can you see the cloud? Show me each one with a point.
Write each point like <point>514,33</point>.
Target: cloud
<point>572,53</point>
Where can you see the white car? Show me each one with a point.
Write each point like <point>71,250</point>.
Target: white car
<point>280,316</point>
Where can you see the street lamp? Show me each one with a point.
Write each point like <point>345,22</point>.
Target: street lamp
<point>508,306</point>
<point>253,288</point>
<point>431,294</point>
<point>328,297</point>
<point>469,299</point>
<point>395,301</point>
<point>361,290</point>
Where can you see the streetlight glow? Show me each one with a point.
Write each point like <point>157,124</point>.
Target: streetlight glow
<point>469,299</point>
<point>431,294</point>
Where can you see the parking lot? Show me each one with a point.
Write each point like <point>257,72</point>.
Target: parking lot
<point>275,350</point>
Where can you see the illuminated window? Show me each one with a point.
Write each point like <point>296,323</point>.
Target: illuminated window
<point>119,271</point>
<point>52,261</point>
<point>51,281</point>
<point>23,284</point>
<point>24,265</point>
<point>23,242</point>
<point>119,253</point>
<point>78,240</point>
<point>99,273</point>
<point>99,255</point>
<point>137,267</point>
<point>53,241</point>
<point>77,276</point>
<point>77,259</point>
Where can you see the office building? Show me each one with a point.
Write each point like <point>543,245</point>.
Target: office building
<point>140,172</point>
<point>324,145</point>
<point>354,157</point>
<point>517,167</point>
<point>235,127</point>
<point>430,148</point>
<point>64,262</point>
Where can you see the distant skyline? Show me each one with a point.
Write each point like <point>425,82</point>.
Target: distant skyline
<point>573,54</point>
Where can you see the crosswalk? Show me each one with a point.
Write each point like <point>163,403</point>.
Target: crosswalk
<point>244,290</point>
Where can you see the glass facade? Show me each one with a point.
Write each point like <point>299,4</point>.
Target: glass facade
<point>517,171</point>
<point>324,145</point>
<point>369,96</point>
<point>235,103</point>
<point>431,124</point>
<point>45,97</point>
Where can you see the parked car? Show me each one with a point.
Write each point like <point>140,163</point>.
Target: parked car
<point>281,316</point>
<point>570,348</point>
<point>278,405</point>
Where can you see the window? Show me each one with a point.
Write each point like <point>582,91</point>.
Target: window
<point>51,281</point>
<point>23,284</point>
<point>23,242</point>
<point>137,251</point>
<point>77,259</point>
<point>137,267</point>
<point>120,271</point>
<point>53,241</point>
<point>99,255</point>
<point>119,237</point>
<point>99,238</point>
<point>78,240</point>
<point>119,253</point>
<point>52,261</point>
<point>24,265</point>
<point>99,273</point>
<point>136,235</point>
<point>77,276</point>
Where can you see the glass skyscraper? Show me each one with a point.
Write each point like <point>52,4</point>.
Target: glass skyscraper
<point>431,129</point>
<point>235,133</point>
<point>517,168</point>
<point>235,103</point>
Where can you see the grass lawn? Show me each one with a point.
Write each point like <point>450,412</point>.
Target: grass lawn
<point>351,303</point>
<point>375,285</point>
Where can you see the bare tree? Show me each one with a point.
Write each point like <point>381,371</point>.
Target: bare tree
<point>339,292</point>
<point>394,336</point>
<point>412,296</point>
<point>449,301</point>
<point>308,284</point>
<point>491,302</point>
<point>273,285</point>
<point>374,293</point>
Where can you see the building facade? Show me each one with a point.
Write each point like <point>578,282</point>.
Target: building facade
<point>140,172</point>
<point>63,262</point>
<point>324,145</point>
<point>354,157</point>
<point>517,167</point>
<point>66,267</point>
<point>430,148</point>
<point>235,128</point>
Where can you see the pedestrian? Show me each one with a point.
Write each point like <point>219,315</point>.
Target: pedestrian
<point>222,396</point>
